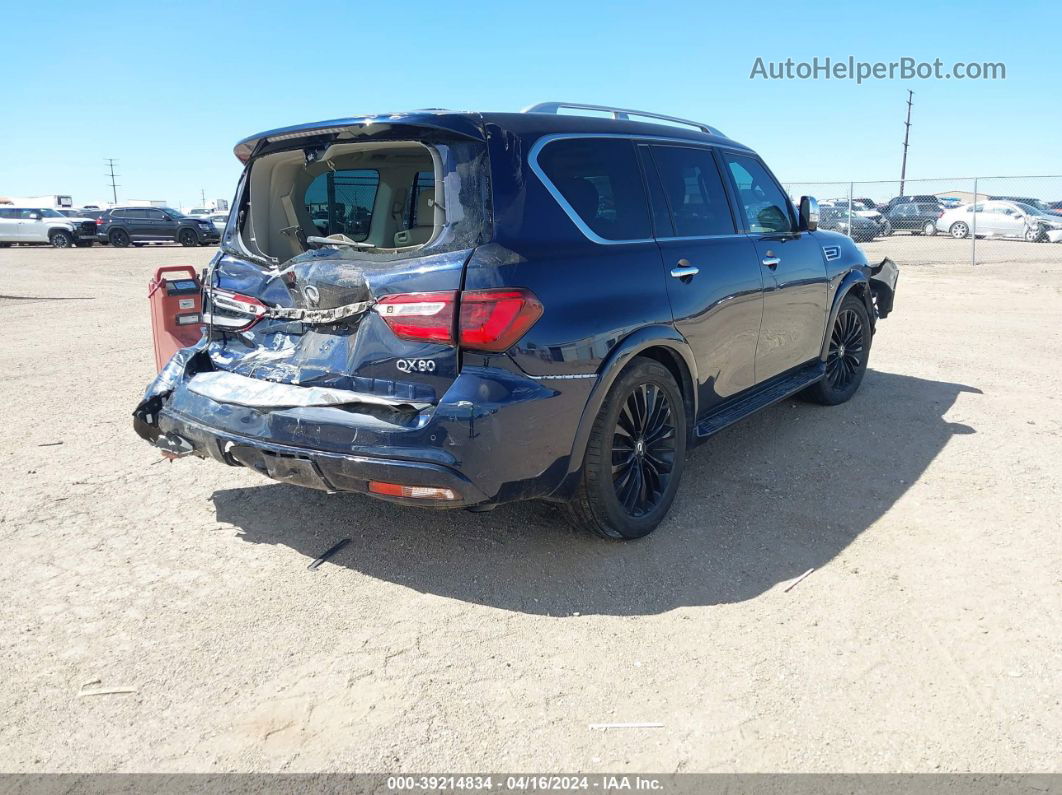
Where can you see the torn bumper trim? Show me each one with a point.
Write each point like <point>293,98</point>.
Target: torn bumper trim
<point>232,388</point>
<point>330,472</point>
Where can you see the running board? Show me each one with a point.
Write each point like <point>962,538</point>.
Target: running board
<point>769,393</point>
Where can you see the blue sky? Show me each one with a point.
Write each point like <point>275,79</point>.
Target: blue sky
<point>168,88</point>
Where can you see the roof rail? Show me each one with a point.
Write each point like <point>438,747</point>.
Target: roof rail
<point>617,113</point>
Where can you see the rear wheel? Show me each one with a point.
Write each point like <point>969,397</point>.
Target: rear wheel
<point>61,239</point>
<point>119,238</point>
<point>929,228</point>
<point>634,457</point>
<point>188,238</point>
<point>846,360</point>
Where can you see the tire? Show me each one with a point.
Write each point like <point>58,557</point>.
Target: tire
<point>849,351</point>
<point>929,228</point>
<point>642,425</point>
<point>886,229</point>
<point>1036,235</point>
<point>119,238</point>
<point>188,238</point>
<point>959,230</point>
<point>61,239</point>
<point>5,245</point>
<point>84,244</point>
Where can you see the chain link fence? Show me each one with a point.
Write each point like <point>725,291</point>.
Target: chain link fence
<point>973,220</point>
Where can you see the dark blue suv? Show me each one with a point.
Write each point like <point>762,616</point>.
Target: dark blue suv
<point>464,309</point>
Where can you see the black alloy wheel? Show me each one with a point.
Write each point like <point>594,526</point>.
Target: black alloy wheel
<point>643,449</point>
<point>845,357</point>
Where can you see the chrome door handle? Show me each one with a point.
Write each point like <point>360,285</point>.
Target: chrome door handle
<point>772,262</point>
<point>685,271</point>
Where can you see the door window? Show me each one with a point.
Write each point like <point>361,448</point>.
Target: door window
<point>764,203</point>
<point>600,181</point>
<point>694,191</point>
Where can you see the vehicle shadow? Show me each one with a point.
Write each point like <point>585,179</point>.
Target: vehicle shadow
<point>760,503</point>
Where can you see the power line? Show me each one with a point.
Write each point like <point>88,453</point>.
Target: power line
<point>111,162</point>
<point>906,136</point>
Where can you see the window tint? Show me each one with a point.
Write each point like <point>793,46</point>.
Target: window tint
<point>599,179</point>
<point>764,203</point>
<point>25,214</point>
<point>7,213</point>
<point>694,191</point>
<point>341,202</point>
<point>155,215</point>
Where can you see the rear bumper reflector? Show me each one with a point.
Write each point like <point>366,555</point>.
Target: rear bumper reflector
<point>225,387</point>
<point>412,492</point>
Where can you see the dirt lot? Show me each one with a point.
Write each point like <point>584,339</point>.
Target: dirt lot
<point>929,636</point>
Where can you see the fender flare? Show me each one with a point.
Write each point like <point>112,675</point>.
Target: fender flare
<point>853,278</point>
<point>656,336</point>
<point>53,229</point>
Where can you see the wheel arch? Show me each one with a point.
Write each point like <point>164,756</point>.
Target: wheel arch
<point>660,343</point>
<point>855,282</point>
<point>53,229</point>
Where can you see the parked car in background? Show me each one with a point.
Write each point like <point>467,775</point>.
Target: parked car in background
<point>1002,219</point>
<point>27,225</point>
<point>195,212</point>
<point>508,333</point>
<point>864,208</point>
<point>916,217</point>
<point>920,198</point>
<point>862,230</point>
<point>121,226</point>
<point>1055,208</point>
<point>219,220</point>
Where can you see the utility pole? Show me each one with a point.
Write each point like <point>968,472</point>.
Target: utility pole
<point>111,162</point>
<point>906,137</point>
<point>202,197</point>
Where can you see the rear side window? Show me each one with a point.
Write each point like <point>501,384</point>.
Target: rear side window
<point>600,181</point>
<point>8,213</point>
<point>341,202</point>
<point>694,191</point>
<point>764,203</point>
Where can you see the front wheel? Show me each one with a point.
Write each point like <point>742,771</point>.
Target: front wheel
<point>959,230</point>
<point>188,238</point>
<point>634,457</point>
<point>61,239</point>
<point>847,356</point>
<point>1035,234</point>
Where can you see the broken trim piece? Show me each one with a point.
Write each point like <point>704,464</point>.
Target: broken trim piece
<point>225,387</point>
<point>254,310</point>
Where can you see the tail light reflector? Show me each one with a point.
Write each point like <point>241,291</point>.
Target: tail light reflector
<point>495,320</point>
<point>247,309</point>
<point>414,492</point>
<point>424,317</point>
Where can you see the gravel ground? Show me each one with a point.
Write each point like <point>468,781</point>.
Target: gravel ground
<point>928,638</point>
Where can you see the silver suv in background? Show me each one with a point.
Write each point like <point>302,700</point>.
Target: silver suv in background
<point>26,225</point>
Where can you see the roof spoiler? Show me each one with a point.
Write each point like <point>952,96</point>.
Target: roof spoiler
<point>466,125</point>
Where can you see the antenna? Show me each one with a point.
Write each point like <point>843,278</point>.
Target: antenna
<point>111,163</point>
<point>906,136</point>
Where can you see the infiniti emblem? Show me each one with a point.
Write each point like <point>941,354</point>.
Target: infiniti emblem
<point>313,295</point>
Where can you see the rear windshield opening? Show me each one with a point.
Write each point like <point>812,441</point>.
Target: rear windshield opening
<point>383,197</point>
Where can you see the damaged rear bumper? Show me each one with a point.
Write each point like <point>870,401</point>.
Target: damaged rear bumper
<point>483,440</point>
<point>331,472</point>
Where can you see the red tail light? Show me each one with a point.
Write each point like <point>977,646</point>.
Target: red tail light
<point>425,317</point>
<point>494,320</point>
<point>490,320</point>
<point>241,311</point>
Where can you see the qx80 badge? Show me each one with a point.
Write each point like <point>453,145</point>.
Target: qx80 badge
<point>416,365</point>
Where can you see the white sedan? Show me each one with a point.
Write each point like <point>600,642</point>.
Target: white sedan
<point>1001,219</point>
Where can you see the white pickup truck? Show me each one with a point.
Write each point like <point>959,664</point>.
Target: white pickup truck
<point>44,225</point>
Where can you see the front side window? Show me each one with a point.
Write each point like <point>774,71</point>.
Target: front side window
<point>763,202</point>
<point>341,202</point>
<point>694,191</point>
<point>600,181</point>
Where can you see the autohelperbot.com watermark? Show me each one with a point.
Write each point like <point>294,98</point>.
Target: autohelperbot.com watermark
<point>905,68</point>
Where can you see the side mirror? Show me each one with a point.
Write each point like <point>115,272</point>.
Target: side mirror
<point>809,214</point>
